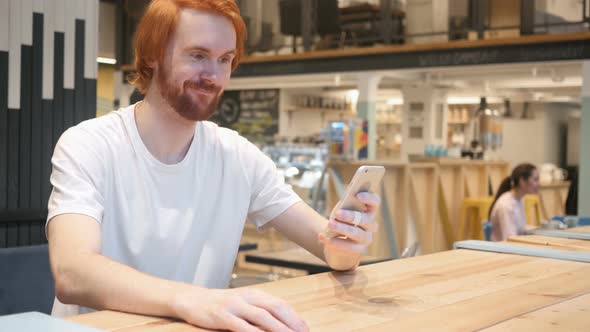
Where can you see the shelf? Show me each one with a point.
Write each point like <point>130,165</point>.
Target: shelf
<point>397,148</point>
<point>316,110</point>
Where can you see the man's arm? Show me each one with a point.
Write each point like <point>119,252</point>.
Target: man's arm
<point>304,226</point>
<point>84,277</point>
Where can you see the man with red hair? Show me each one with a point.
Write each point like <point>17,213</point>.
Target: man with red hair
<point>149,202</point>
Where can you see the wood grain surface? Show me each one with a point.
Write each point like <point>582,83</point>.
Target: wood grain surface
<point>571,315</point>
<point>582,229</point>
<point>459,290</point>
<point>551,242</point>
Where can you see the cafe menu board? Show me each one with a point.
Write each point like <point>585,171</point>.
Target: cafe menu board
<point>252,113</point>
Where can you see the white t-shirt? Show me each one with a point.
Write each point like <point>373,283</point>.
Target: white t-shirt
<point>507,217</point>
<point>180,222</point>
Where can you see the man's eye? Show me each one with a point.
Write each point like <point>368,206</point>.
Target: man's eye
<point>225,60</point>
<point>198,56</point>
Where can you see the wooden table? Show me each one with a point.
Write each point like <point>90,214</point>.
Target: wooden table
<point>570,315</point>
<point>582,229</point>
<point>551,242</point>
<point>459,290</point>
<point>580,233</point>
<point>301,259</point>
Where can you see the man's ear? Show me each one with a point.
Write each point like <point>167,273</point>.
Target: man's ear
<point>153,64</point>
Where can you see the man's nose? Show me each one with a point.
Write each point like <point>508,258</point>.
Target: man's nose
<point>210,72</point>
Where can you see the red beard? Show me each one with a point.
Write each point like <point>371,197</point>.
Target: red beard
<point>191,106</point>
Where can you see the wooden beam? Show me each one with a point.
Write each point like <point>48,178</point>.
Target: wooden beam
<point>393,49</point>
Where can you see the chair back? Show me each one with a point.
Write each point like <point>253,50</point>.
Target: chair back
<point>328,17</point>
<point>26,283</point>
<point>488,227</point>
<point>290,15</point>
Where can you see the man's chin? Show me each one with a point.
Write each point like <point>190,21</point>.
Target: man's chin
<point>196,114</point>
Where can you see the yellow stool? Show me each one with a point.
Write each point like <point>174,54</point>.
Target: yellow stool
<point>532,210</point>
<point>473,212</point>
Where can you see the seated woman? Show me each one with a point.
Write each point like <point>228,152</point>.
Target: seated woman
<point>507,211</point>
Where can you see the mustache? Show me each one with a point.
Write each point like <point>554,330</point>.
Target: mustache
<point>202,85</point>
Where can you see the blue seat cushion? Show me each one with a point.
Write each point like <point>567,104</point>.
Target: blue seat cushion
<point>26,283</point>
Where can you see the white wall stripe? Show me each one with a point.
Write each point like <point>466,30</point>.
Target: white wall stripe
<point>69,42</point>
<point>80,9</point>
<point>26,20</point>
<point>96,18</point>
<point>4,25</point>
<point>91,39</point>
<point>95,36</point>
<point>14,54</point>
<point>586,81</point>
<point>48,50</point>
<point>38,6</point>
<point>59,15</point>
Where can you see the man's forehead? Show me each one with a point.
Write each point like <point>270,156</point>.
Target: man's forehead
<point>205,30</point>
<point>195,23</point>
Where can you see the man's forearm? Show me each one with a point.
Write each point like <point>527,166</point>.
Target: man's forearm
<point>95,281</point>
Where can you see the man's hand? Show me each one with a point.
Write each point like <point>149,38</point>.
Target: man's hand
<point>237,310</point>
<point>353,240</point>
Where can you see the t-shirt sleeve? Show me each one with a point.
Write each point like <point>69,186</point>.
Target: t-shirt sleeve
<point>77,176</point>
<point>270,195</point>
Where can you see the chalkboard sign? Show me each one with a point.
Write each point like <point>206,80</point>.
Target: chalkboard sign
<point>252,113</point>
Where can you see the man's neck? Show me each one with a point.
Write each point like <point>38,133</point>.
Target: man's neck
<point>163,131</point>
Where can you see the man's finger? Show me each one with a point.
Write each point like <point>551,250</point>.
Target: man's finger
<point>234,323</point>
<point>278,308</point>
<point>263,319</point>
<point>354,233</point>
<point>371,199</point>
<point>367,219</point>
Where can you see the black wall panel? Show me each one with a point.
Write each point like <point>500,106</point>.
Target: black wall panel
<point>3,130</point>
<point>28,135</point>
<point>36,110</point>
<point>24,193</point>
<point>58,87</point>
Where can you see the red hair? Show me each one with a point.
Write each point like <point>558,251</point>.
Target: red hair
<point>158,24</point>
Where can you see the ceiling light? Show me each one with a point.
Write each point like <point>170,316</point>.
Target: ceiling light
<point>462,100</point>
<point>108,61</point>
<point>352,96</point>
<point>395,101</point>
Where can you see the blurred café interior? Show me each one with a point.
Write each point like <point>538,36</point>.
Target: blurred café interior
<point>448,95</point>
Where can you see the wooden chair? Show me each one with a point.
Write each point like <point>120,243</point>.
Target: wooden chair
<point>532,210</point>
<point>474,212</point>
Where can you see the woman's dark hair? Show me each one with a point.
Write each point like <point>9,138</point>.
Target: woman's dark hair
<point>522,171</point>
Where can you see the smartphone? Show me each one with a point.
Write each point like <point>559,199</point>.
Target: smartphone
<point>366,179</point>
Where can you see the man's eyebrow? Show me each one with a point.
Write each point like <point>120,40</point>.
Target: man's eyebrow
<point>206,50</point>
